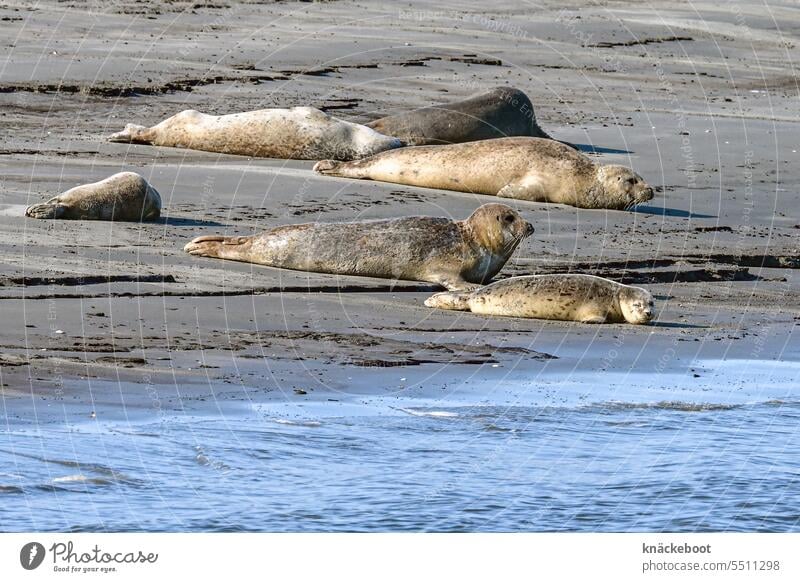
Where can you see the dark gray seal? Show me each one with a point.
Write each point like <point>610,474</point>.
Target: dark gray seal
<point>501,112</point>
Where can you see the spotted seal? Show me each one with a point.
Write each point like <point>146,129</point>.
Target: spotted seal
<point>458,255</point>
<point>572,297</point>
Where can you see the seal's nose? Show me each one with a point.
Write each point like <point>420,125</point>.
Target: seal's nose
<point>648,193</point>
<point>529,229</point>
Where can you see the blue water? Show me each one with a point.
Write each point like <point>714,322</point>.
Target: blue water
<point>364,467</point>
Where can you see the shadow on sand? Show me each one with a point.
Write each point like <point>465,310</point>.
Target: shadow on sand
<point>175,221</point>
<point>676,325</point>
<point>644,209</point>
<point>592,149</point>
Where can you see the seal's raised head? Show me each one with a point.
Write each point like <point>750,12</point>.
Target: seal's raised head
<point>498,227</point>
<point>622,188</point>
<point>636,304</point>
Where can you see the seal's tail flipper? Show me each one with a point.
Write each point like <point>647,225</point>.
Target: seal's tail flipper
<point>49,209</point>
<point>449,300</point>
<point>220,247</point>
<point>131,134</point>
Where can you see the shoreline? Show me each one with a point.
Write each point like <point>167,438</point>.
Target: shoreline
<point>717,245</point>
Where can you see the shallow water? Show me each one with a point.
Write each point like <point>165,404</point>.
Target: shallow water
<point>375,464</point>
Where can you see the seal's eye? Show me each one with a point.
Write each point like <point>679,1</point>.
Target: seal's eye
<point>630,181</point>
<point>509,218</point>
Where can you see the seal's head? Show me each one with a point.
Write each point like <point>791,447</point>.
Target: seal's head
<point>636,304</point>
<point>363,141</point>
<point>498,228</point>
<point>622,188</point>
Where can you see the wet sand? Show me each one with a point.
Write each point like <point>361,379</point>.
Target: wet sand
<point>115,319</point>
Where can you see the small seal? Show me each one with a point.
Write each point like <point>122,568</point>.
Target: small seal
<point>583,298</point>
<point>501,112</point>
<point>123,196</point>
<point>458,255</point>
<point>300,133</point>
<point>523,168</point>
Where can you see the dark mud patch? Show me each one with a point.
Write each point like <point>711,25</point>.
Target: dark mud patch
<point>124,362</point>
<point>713,229</point>
<point>387,288</point>
<point>641,41</point>
<point>638,270</point>
<point>30,152</point>
<point>110,91</point>
<point>677,276</point>
<point>475,60</point>
<point>339,104</point>
<point>10,361</point>
<point>80,280</point>
<point>757,261</point>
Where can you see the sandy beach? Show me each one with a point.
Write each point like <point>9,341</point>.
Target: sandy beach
<point>115,321</point>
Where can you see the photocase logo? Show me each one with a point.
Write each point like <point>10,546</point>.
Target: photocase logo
<point>31,555</point>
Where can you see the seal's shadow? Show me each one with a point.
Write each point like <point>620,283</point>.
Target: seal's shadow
<point>175,221</point>
<point>674,212</point>
<point>592,149</point>
<point>676,325</point>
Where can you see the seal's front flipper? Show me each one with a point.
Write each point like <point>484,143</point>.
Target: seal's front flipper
<point>453,283</point>
<point>50,209</point>
<point>448,300</point>
<point>329,168</point>
<point>131,134</point>
<point>593,319</point>
<point>525,189</point>
<point>352,169</point>
<point>153,214</point>
<point>220,247</point>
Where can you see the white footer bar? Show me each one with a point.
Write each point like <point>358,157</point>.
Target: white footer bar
<point>386,557</point>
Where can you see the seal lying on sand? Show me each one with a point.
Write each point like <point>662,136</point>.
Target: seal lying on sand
<point>583,298</point>
<point>525,168</point>
<point>301,133</point>
<point>123,196</point>
<point>501,112</point>
<point>455,254</point>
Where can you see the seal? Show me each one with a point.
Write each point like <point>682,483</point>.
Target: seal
<point>459,255</point>
<point>573,297</point>
<point>123,196</point>
<point>523,168</point>
<point>501,112</point>
<point>301,133</point>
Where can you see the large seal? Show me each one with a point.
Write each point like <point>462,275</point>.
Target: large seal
<point>301,133</point>
<point>455,254</point>
<point>583,298</point>
<point>501,112</point>
<point>524,168</point>
<point>123,196</point>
